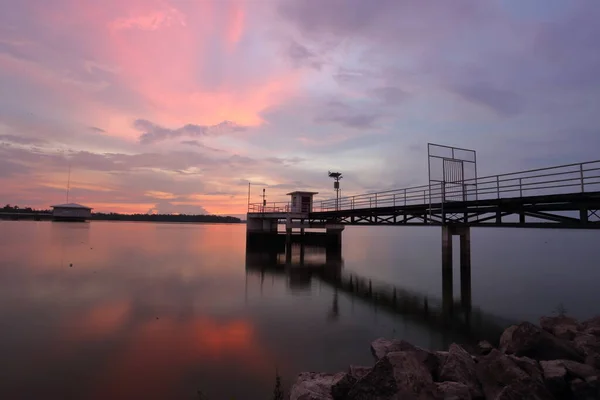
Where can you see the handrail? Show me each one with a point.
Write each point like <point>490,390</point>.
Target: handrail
<point>522,182</point>
<point>270,207</point>
<point>567,178</point>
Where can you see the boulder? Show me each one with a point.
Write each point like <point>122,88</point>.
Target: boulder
<point>378,384</point>
<point>399,375</point>
<point>314,386</point>
<point>484,347</point>
<point>589,346</point>
<point>584,390</point>
<point>381,347</point>
<point>531,341</point>
<point>453,391</point>
<point>555,377</point>
<point>579,370</point>
<point>433,361</point>
<point>341,388</point>
<point>591,326</point>
<point>501,377</point>
<point>561,326</point>
<point>591,323</point>
<point>524,390</point>
<point>531,367</point>
<point>460,367</point>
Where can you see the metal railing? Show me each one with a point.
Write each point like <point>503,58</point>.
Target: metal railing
<point>563,179</point>
<point>271,207</point>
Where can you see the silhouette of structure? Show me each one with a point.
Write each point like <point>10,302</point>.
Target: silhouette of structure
<point>455,199</point>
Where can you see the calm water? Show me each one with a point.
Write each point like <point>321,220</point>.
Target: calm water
<point>164,310</point>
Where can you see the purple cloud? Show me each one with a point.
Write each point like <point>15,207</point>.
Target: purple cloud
<point>152,133</point>
<point>503,102</point>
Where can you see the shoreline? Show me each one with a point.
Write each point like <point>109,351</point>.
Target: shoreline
<point>559,359</point>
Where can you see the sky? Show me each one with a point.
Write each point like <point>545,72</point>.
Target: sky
<point>173,106</point>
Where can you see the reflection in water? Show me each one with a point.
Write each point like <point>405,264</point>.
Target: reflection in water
<point>123,311</point>
<point>302,263</point>
<point>167,310</point>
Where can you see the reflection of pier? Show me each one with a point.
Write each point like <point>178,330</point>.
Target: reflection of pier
<point>300,263</point>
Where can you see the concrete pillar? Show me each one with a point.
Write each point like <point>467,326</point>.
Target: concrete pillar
<point>334,236</point>
<point>583,215</point>
<point>465,268</point>
<point>288,231</point>
<point>447,294</point>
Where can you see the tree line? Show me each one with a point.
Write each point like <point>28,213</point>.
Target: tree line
<point>8,209</point>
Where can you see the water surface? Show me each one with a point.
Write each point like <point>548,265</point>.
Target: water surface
<point>114,310</point>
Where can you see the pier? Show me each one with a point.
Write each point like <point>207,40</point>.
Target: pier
<point>455,199</point>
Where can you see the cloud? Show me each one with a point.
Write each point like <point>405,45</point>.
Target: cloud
<point>196,143</point>
<point>151,20</point>
<point>347,116</point>
<point>25,140</point>
<point>168,207</point>
<point>503,102</point>
<point>96,129</point>
<point>10,168</point>
<point>152,133</point>
<point>301,56</point>
<point>390,95</point>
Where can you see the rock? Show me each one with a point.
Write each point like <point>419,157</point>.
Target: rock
<point>501,377</point>
<point>591,326</point>
<point>531,367</point>
<point>433,361</point>
<point>453,391</point>
<point>555,375</point>
<point>399,375</point>
<point>381,347</point>
<point>484,347</point>
<point>341,388</point>
<point>561,326</point>
<point>460,367</point>
<point>591,323</point>
<point>589,346</point>
<point>584,390</point>
<point>531,341</point>
<point>579,370</point>
<point>314,386</point>
<point>524,390</point>
<point>379,383</point>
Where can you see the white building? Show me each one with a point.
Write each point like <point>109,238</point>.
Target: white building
<point>302,202</point>
<point>71,212</point>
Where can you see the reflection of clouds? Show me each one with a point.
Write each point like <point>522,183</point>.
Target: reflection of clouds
<point>157,353</point>
<point>99,321</point>
<point>135,314</point>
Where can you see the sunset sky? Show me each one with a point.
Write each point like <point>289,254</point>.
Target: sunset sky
<point>175,105</point>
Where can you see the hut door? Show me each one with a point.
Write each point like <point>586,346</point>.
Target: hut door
<point>305,204</point>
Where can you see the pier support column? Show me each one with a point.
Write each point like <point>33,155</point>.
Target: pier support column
<point>583,215</point>
<point>288,230</point>
<point>465,267</point>
<point>447,285</point>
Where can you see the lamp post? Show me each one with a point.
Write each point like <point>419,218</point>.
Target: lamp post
<point>336,186</point>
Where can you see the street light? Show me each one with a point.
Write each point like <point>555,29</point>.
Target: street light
<point>336,186</point>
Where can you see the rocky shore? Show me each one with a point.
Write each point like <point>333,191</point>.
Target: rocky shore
<point>558,360</point>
